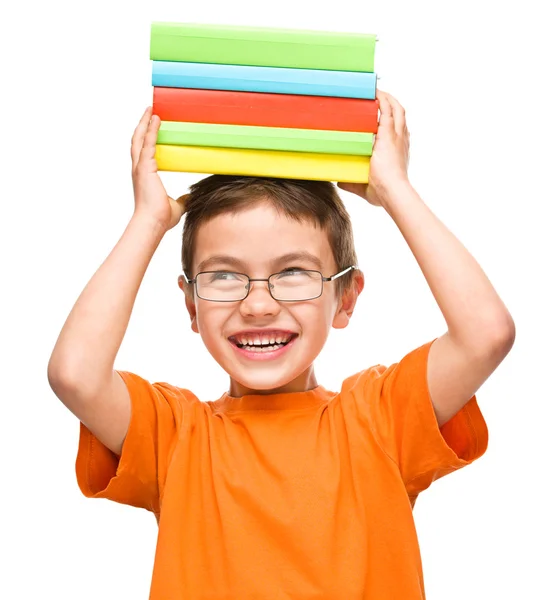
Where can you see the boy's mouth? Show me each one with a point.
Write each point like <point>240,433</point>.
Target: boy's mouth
<point>261,342</point>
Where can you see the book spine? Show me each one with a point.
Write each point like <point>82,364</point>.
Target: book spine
<point>264,47</point>
<point>263,163</point>
<point>264,79</point>
<point>265,138</point>
<point>267,110</point>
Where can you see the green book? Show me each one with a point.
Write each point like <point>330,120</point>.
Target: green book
<point>176,133</point>
<point>263,47</point>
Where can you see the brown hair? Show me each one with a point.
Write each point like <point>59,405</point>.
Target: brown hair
<point>316,201</point>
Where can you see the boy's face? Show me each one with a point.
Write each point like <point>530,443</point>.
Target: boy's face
<point>256,241</point>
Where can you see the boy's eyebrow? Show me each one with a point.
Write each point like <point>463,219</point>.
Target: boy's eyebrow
<point>239,264</point>
<point>307,256</point>
<point>220,259</point>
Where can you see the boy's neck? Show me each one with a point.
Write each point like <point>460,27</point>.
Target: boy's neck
<point>304,382</point>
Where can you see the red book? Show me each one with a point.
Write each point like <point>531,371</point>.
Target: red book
<point>266,110</point>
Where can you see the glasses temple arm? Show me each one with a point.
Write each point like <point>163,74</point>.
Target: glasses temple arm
<point>337,275</point>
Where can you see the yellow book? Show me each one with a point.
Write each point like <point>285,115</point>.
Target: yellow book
<point>263,163</point>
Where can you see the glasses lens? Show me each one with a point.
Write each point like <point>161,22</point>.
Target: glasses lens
<point>222,286</point>
<point>296,285</point>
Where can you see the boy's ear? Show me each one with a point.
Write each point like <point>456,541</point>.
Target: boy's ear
<point>190,301</point>
<point>348,301</point>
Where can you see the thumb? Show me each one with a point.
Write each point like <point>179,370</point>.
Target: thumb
<point>181,201</point>
<point>177,209</point>
<point>360,189</point>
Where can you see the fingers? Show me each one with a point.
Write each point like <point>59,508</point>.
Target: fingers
<point>398,111</point>
<point>138,135</point>
<point>386,119</point>
<point>148,150</point>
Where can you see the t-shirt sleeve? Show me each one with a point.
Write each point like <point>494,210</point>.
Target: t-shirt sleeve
<point>404,420</point>
<point>138,475</point>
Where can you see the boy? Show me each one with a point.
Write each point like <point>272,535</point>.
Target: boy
<point>280,489</point>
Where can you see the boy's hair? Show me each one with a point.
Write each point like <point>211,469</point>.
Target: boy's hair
<point>315,201</point>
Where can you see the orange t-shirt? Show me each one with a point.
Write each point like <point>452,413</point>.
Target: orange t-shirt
<point>288,496</point>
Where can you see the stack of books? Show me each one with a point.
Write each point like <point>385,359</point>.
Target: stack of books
<point>264,102</point>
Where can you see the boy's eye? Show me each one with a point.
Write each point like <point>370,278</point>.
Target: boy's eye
<point>225,276</point>
<point>292,271</point>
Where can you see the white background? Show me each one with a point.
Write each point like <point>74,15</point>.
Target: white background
<point>75,81</point>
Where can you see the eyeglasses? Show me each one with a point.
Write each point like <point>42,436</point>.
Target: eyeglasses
<point>294,285</point>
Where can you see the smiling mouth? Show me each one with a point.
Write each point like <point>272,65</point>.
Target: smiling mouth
<point>257,345</point>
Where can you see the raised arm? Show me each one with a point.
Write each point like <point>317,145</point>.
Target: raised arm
<point>81,367</point>
<point>481,330</point>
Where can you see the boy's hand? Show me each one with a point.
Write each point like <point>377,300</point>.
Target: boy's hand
<point>151,199</point>
<point>390,159</point>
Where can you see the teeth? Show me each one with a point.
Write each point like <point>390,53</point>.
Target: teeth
<point>258,340</point>
<point>258,349</point>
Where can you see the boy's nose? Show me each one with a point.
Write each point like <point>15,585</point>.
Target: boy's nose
<point>259,302</point>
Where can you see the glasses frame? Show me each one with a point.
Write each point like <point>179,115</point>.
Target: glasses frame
<point>324,280</point>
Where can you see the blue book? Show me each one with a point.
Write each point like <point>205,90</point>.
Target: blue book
<point>277,80</point>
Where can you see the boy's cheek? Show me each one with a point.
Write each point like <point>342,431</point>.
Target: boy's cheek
<point>210,322</point>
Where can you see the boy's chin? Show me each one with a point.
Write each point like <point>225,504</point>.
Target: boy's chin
<point>263,383</point>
